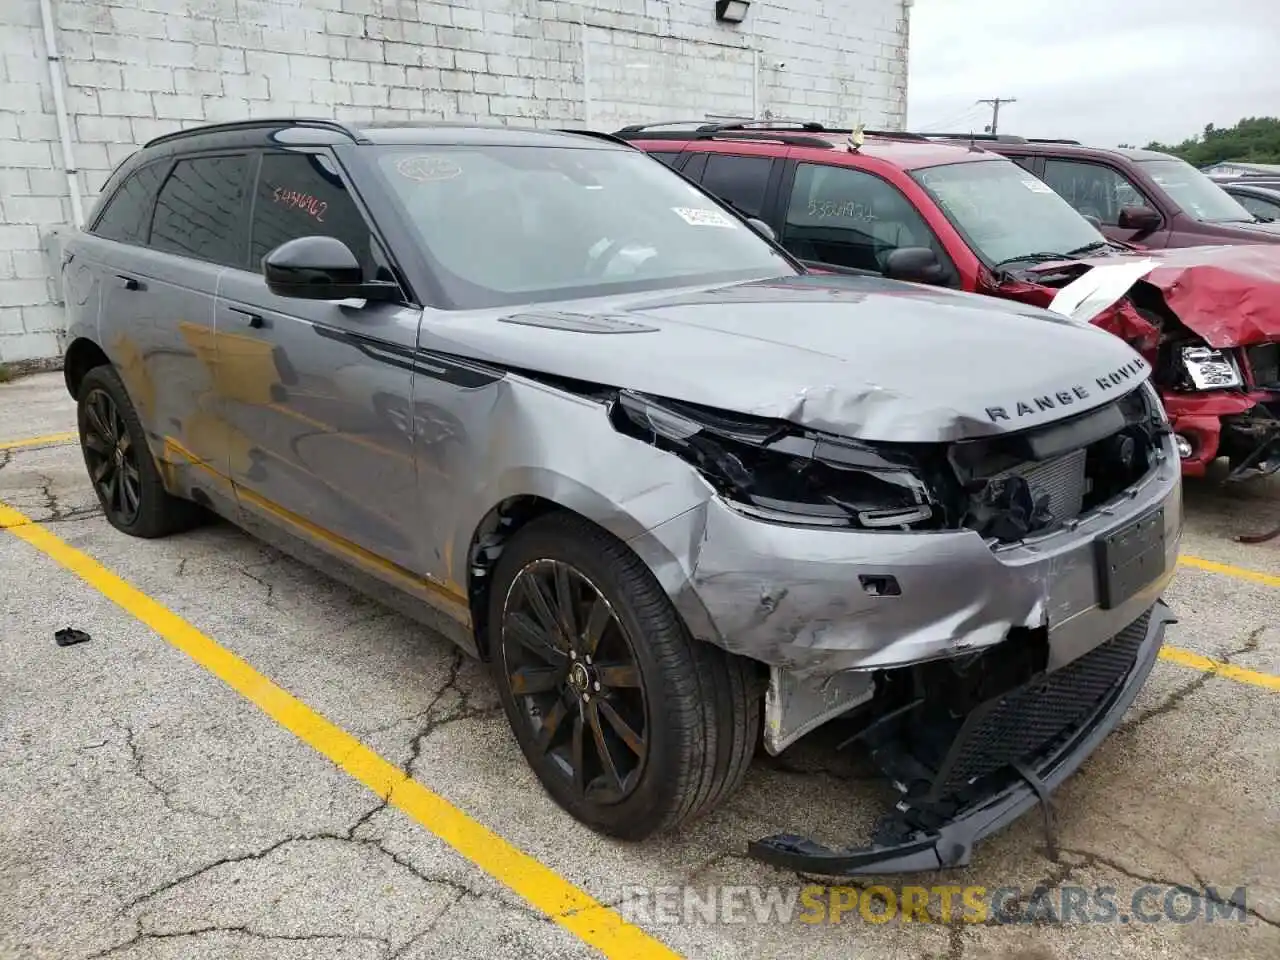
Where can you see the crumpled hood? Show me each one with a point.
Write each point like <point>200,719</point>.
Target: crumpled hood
<point>1229,295</point>
<point>861,357</point>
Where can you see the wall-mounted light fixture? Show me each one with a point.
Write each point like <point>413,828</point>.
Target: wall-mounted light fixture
<point>732,11</point>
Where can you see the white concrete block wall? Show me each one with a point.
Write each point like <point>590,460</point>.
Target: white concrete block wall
<point>138,68</point>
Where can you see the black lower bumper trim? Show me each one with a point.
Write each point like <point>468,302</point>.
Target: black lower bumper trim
<point>951,845</point>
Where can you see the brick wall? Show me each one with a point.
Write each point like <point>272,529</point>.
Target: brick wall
<point>138,68</point>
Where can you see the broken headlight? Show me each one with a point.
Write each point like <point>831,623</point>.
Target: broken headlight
<point>776,471</point>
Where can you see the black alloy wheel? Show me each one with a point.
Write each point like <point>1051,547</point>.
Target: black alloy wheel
<point>123,472</point>
<point>571,667</point>
<point>631,724</point>
<point>111,458</point>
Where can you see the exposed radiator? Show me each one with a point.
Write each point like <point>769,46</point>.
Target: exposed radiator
<point>1062,480</point>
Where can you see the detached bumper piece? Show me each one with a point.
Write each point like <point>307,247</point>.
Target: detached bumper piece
<point>1252,442</point>
<point>1003,758</point>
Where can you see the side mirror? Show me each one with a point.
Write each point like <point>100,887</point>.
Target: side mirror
<point>762,228</point>
<point>916,264</point>
<point>321,268</point>
<point>1138,218</point>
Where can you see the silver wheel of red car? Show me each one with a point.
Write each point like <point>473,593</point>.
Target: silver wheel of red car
<point>630,724</point>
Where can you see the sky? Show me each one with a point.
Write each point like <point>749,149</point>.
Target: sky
<point>1099,71</point>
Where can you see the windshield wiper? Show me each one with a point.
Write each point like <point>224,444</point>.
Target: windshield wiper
<point>1036,257</point>
<point>1097,244</point>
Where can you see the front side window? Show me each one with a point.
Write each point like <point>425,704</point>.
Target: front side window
<point>1005,212</point>
<point>127,215</point>
<point>512,224</point>
<point>301,195</point>
<point>1267,209</point>
<point>1196,194</point>
<point>199,212</point>
<point>739,180</point>
<point>1094,190</point>
<point>845,217</point>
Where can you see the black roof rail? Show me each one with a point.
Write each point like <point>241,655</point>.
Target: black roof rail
<point>786,131</point>
<point>985,137</point>
<point>1074,143</point>
<point>315,123</point>
<point>600,135</point>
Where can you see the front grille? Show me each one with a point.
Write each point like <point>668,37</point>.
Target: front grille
<point>1061,480</point>
<point>1027,721</point>
<point>1264,360</point>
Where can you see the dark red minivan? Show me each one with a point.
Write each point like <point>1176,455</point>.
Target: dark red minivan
<point>1151,199</point>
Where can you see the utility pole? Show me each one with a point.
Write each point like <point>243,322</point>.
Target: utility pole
<point>995,110</point>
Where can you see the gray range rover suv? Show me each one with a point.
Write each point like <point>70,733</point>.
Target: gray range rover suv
<point>541,393</point>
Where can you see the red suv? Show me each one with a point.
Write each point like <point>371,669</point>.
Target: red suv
<point>907,207</point>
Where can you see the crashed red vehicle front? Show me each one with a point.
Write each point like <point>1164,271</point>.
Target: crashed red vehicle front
<point>1206,318</point>
<point>903,206</point>
<point>1208,321</point>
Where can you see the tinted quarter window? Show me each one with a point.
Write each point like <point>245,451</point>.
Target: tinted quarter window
<point>302,195</point>
<point>199,212</point>
<point>845,217</point>
<point>740,180</point>
<point>128,213</point>
<point>1094,190</point>
<point>668,158</point>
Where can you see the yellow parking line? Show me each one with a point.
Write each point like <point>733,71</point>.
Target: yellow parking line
<point>1185,658</point>
<point>566,904</point>
<point>1226,569</point>
<point>38,441</point>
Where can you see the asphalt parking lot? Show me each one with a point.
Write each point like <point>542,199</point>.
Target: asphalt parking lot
<point>208,776</point>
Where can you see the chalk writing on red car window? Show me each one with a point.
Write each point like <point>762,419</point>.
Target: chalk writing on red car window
<point>301,201</point>
<point>846,209</point>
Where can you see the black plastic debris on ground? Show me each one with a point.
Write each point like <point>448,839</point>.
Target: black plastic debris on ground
<point>67,637</point>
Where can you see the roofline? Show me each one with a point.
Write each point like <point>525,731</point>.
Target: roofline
<point>313,123</point>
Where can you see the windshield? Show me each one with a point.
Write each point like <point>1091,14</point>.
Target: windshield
<point>1004,212</point>
<point>506,225</point>
<point>1197,195</point>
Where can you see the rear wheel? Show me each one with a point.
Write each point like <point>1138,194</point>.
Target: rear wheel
<point>120,465</point>
<point>630,724</point>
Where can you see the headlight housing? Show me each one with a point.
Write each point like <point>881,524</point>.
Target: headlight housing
<point>773,470</point>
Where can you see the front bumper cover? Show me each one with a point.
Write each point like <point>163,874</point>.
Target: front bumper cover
<point>951,844</point>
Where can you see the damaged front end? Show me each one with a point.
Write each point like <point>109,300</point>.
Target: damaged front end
<point>1208,323</point>
<point>985,609</point>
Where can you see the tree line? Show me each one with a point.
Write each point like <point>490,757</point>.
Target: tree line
<point>1252,140</point>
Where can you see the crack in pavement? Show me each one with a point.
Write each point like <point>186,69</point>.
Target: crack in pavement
<point>1092,859</point>
<point>142,936</point>
<point>1174,700</point>
<point>135,758</point>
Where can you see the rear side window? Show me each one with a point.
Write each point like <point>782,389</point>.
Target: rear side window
<point>301,195</point>
<point>740,180</point>
<point>128,213</point>
<point>668,158</point>
<point>199,212</point>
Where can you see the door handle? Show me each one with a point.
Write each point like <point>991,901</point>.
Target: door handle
<point>255,319</point>
<point>130,283</point>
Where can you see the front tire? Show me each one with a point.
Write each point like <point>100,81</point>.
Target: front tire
<point>631,725</point>
<point>123,473</point>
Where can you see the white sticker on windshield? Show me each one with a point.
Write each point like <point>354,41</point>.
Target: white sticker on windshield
<point>1036,186</point>
<point>699,217</point>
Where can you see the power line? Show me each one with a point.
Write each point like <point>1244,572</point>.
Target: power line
<point>995,110</point>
